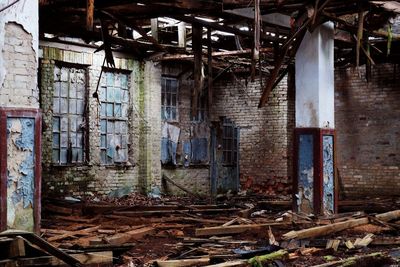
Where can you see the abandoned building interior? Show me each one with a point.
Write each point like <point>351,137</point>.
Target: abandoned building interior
<point>199,133</point>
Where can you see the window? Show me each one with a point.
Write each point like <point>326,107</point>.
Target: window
<point>169,99</point>
<point>230,142</point>
<point>114,98</point>
<point>68,115</point>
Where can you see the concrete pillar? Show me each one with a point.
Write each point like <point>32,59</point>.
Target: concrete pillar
<point>314,185</point>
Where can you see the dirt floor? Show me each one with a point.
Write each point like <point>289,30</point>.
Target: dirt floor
<point>144,231</point>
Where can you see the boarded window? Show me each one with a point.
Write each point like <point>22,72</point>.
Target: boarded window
<point>68,115</point>
<point>114,98</point>
<point>230,142</point>
<point>169,99</point>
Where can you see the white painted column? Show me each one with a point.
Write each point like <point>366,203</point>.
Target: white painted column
<point>315,177</point>
<point>315,79</point>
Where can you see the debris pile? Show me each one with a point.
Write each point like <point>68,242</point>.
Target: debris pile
<point>179,232</point>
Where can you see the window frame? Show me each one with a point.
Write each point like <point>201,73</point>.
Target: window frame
<point>164,98</point>
<point>232,141</point>
<point>69,116</point>
<point>114,119</point>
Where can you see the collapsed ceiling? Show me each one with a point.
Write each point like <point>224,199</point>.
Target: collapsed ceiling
<point>257,36</point>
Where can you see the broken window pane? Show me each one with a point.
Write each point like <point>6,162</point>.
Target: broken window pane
<point>68,110</point>
<point>114,116</point>
<point>169,98</point>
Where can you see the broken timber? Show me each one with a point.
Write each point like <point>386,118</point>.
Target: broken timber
<point>234,229</point>
<point>337,227</point>
<point>185,262</point>
<point>123,238</point>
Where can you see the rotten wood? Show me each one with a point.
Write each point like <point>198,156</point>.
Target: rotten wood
<point>86,231</point>
<point>337,227</point>
<point>41,243</point>
<point>197,32</point>
<point>352,261</point>
<point>360,31</point>
<point>184,262</point>
<point>103,259</point>
<point>257,31</point>
<point>89,14</point>
<point>210,70</point>
<point>182,34</point>
<point>154,28</point>
<point>122,238</point>
<point>17,248</point>
<point>218,54</point>
<point>235,229</point>
<point>237,263</point>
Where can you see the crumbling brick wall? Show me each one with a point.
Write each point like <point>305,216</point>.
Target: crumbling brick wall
<point>143,168</point>
<point>266,134</point>
<point>368,131</point>
<point>19,86</point>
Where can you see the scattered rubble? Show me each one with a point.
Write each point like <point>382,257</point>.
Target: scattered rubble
<point>141,231</point>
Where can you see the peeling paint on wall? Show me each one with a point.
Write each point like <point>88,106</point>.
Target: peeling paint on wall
<point>328,168</point>
<point>20,173</point>
<point>305,173</point>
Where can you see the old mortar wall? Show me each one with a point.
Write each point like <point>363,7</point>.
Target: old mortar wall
<point>266,134</point>
<point>368,131</point>
<point>143,167</point>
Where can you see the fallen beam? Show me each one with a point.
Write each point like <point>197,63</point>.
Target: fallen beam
<point>101,259</point>
<point>130,236</point>
<point>185,262</point>
<point>337,227</point>
<point>235,229</point>
<point>230,264</point>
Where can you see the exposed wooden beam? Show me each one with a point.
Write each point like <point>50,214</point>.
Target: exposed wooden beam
<point>210,69</point>
<point>360,31</point>
<point>89,14</point>
<point>353,29</point>
<point>299,34</point>
<point>220,27</point>
<point>198,64</point>
<point>219,54</point>
<point>257,32</point>
<point>154,28</point>
<point>182,34</point>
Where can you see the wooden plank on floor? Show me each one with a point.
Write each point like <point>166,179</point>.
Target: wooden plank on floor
<point>183,263</point>
<point>122,238</point>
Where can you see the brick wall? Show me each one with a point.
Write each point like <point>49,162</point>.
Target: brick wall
<point>19,88</point>
<point>368,131</point>
<point>266,134</point>
<point>143,167</point>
